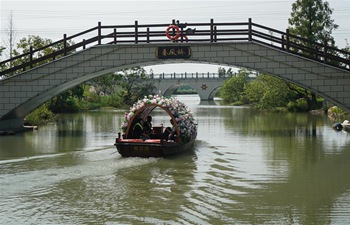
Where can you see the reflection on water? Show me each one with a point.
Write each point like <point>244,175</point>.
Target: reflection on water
<point>246,167</point>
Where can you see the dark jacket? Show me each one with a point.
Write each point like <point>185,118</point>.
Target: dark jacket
<point>137,130</point>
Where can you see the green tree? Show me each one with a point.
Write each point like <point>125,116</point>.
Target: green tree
<point>268,92</point>
<point>36,42</point>
<point>232,89</point>
<point>135,83</point>
<point>223,72</point>
<point>308,97</point>
<point>67,101</point>
<point>40,115</point>
<point>108,84</point>
<point>311,19</point>
<point>24,45</point>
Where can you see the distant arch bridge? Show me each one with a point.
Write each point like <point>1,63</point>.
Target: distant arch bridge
<point>206,84</point>
<point>30,79</point>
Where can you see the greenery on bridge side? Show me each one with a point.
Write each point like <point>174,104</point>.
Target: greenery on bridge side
<point>267,92</point>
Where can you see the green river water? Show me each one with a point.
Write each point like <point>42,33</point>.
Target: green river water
<point>246,167</point>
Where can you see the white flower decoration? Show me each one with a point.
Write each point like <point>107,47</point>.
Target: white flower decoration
<point>181,113</point>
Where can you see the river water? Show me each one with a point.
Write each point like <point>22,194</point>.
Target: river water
<point>246,167</point>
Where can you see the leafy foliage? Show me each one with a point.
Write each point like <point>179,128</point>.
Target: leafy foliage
<point>135,83</point>
<point>106,84</point>
<point>24,45</point>
<point>66,102</point>
<point>232,89</point>
<point>35,43</point>
<point>95,101</point>
<point>267,92</point>
<point>300,105</point>
<point>337,113</point>
<point>39,116</point>
<point>311,19</point>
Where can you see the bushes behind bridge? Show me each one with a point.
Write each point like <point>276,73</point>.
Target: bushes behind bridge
<point>268,92</point>
<point>95,101</point>
<point>70,104</point>
<point>41,115</point>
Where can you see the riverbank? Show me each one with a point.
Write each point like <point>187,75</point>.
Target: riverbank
<point>18,130</point>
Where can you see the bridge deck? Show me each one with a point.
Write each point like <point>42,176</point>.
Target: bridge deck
<point>211,32</point>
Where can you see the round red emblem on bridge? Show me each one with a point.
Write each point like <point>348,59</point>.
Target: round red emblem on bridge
<point>175,37</point>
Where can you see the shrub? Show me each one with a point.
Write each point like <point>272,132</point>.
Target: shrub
<point>39,116</point>
<point>300,105</point>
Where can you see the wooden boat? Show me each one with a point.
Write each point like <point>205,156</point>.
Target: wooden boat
<point>156,145</point>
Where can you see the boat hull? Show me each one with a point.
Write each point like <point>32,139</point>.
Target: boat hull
<point>149,149</point>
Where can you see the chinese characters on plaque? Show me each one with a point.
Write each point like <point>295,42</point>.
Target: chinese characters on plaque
<point>173,52</point>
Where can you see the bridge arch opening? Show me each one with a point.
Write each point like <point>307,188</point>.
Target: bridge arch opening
<point>197,74</point>
<point>182,89</point>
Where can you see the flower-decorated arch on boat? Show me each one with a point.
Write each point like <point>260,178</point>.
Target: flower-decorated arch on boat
<point>186,127</point>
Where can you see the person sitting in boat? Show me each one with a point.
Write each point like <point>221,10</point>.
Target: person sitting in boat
<point>170,133</point>
<point>147,126</point>
<point>138,130</point>
<point>166,133</point>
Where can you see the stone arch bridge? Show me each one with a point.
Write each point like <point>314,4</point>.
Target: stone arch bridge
<point>206,84</point>
<point>29,80</point>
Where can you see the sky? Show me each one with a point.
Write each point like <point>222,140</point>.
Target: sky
<point>51,18</point>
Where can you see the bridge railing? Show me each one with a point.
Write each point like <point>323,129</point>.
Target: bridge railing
<point>189,33</point>
<point>185,75</point>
